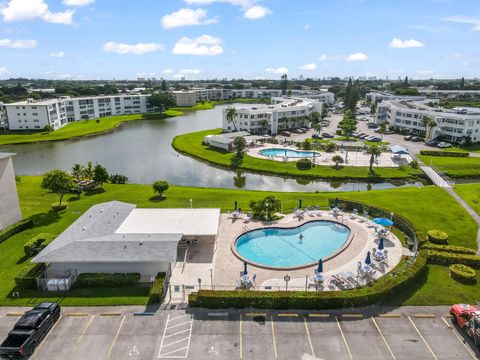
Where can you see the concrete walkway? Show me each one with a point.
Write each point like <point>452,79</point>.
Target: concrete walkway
<point>435,177</point>
<point>470,211</point>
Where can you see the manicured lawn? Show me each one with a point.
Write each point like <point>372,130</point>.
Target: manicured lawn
<point>471,194</point>
<point>428,207</point>
<point>191,144</point>
<point>455,166</point>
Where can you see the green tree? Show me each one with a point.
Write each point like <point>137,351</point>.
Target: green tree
<point>383,127</point>
<point>48,128</point>
<point>164,85</point>
<point>373,151</point>
<point>159,187</point>
<point>462,83</point>
<point>264,124</point>
<point>317,127</point>
<point>77,171</point>
<point>231,115</point>
<point>429,123</point>
<point>266,208</point>
<point>306,145</point>
<point>284,84</point>
<point>240,145</point>
<point>405,82</point>
<point>88,171</point>
<point>314,117</point>
<point>324,111</point>
<point>100,175</point>
<point>162,101</point>
<point>373,109</point>
<point>59,182</point>
<point>330,147</point>
<point>348,125</point>
<point>337,159</point>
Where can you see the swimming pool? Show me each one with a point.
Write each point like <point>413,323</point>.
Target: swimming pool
<point>288,152</point>
<point>283,248</point>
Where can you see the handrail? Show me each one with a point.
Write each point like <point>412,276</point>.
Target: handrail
<point>185,258</point>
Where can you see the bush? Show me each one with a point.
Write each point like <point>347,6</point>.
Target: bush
<point>118,179</point>
<point>38,243</point>
<point>304,164</point>
<point>463,274</point>
<point>26,278</point>
<point>155,295</point>
<point>108,280</point>
<point>386,287</point>
<point>59,207</point>
<point>414,164</point>
<point>437,237</point>
<point>15,228</point>
<point>447,258</point>
<point>449,248</point>
<point>444,153</point>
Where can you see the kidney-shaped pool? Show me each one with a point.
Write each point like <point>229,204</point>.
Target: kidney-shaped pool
<point>296,247</point>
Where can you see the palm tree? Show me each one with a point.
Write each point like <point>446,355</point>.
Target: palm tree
<point>87,172</point>
<point>231,115</point>
<point>429,123</point>
<point>317,127</point>
<point>264,124</point>
<point>337,159</point>
<point>314,117</point>
<point>77,171</point>
<point>373,151</point>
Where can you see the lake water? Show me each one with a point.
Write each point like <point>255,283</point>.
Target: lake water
<point>142,151</point>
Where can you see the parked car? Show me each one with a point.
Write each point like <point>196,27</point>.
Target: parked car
<point>327,136</point>
<point>375,139</point>
<point>416,139</point>
<point>29,331</point>
<point>408,137</point>
<point>432,142</point>
<point>363,136</point>
<point>377,130</point>
<point>356,135</point>
<point>286,133</point>
<point>372,125</point>
<point>444,145</point>
<point>467,317</point>
<point>316,136</point>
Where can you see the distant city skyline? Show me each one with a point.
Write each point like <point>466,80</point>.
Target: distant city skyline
<point>249,39</point>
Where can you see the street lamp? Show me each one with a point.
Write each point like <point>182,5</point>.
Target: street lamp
<point>191,203</point>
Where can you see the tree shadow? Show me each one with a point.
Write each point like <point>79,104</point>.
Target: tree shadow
<point>23,259</point>
<point>43,219</point>
<point>157,198</point>
<point>339,167</point>
<point>95,191</point>
<point>73,198</point>
<point>236,161</point>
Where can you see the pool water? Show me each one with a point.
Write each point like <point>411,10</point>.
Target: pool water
<point>282,247</point>
<point>288,152</point>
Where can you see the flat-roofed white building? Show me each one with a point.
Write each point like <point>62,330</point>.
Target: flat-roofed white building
<point>9,204</point>
<point>450,94</point>
<point>185,98</point>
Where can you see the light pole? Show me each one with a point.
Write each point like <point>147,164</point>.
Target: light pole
<point>211,277</point>
<point>266,213</point>
<point>191,203</point>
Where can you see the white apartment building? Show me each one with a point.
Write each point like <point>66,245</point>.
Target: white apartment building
<point>289,114</point>
<point>36,114</point>
<point>454,124</point>
<point>9,204</point>
<point>451,94</point>
<point>185,98</point>
<point>381,96</point>
<point>3,117</point>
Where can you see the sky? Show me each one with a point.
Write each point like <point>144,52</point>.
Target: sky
<point>250,39</point>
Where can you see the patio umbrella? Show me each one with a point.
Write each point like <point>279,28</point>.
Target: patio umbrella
<point>383,221</point>
<point>368,260</point>
<point>380,244</point>
<point>245,272</point>
<point>320,266</point>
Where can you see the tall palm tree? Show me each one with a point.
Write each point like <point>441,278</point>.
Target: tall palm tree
<point>373,151</point>
<point>314,117</point>
<point>429,122</point>
<point>317,127</point>
<point>264,124</point>
<point>231,115</point>
<point>77,171</point>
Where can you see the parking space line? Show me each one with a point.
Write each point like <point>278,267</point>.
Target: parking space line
<point>383,337</point>
<point>75,347</point>
<point>179,332</point>
<point>423,316</point>
<point>115,338</point>
<point>46,337</point>
<point>309,338</point>
<point>391,315</point>
<point>174,326</point>
<point>189,338</point>
<point>256,314</point>
<point>344,339</point>
<point>178,356</point>
<point>273,336</point>
<point>423,339</point>
<point>176,318</point>
<point>163,336</point>
<point>472,354</point>
<point>352,315</point>
<point>76,314</point>
<point>15,314</point>
<point>110,314</point>
<point>241,337</point>
<point>175,342</point>
<point>319,315</point>
<point>287,315</point>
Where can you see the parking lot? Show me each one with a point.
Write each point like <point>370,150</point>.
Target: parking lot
<point>405,333</point>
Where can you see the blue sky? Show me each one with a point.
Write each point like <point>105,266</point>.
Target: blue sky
<point>199,39</point>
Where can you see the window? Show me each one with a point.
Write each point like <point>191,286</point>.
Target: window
<point>36,120</point>
<point>35,114</point>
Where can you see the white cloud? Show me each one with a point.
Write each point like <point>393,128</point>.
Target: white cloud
<point>3,70</point>
<point>167,71</point>
<point>186,17</point>
<point>356,57</point>
<point>189,71</point>
<point>140,48</point>
<point>204,45</point>
<point>57,54</point>
<point>64,76</point>
<point>256,12</point>
<point>308,67</point>
<point>425,72</point>
<point>454,56</point>
<point>323,57</point>
<point>78,2</point>
<point>464,20</point>
<point>405,44</point>
<point>25,10</point>
<point>241,3</point>
<point>19,44</point>
<point>277,71</point>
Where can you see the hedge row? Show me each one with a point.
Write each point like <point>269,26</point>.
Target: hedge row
<point>38,243</point>
<point>26,278</point>
<point>449,248</point>
<point>155,295</point>
<point>15,228</point>
<point>437,237</point>
<point>98,280</point>
<point>390,286</point>
<point>463,274</point>
<point>449,258</point>
<point>444,153</point>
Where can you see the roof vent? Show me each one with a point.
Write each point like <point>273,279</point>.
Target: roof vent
<point>141,243</point>
<point>84,228</point>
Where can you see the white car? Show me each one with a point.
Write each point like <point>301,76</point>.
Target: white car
<point>443,145</point>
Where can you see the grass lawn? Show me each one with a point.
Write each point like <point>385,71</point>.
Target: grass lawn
<point>471,194</point>
<point>425,207</point>
<point>191,144</point>
<point>456,167</point>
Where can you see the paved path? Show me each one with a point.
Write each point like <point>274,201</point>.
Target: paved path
<point>435,177</point>
<point>469,210</point>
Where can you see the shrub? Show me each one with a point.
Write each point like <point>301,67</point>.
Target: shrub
<point>414,164</point>
<point>58,207</point>
<point>118,179</point>
<point>387,287</point>
<point>449,248</point>
<point>444,153</point>
<point>447,258</point>
<point>26,278</point>
<point>155,295</point>
<point>463,274</point>
<point>437,237</point>
<point>330,147</point>
<point>38,243</point>
<point>304,164</point>
<point>98,280</point>
<point>160,187</point>
<point>15,228</point>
